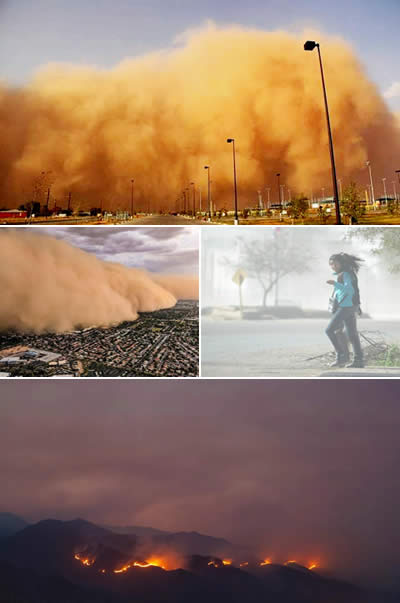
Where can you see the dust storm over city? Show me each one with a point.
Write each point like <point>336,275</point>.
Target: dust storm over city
<point>62,287</point>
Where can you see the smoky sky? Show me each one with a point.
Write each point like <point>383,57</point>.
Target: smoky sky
<point>305,470</point>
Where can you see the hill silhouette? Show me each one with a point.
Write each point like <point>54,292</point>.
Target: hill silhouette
<point>77,561</point>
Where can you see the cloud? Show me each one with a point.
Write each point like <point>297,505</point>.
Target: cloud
<point>154,249</point>
<point>393,91</point>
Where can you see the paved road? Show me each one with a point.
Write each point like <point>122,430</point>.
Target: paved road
<point>165,221</point>
<point>272,348</point>
<point>143,220</point>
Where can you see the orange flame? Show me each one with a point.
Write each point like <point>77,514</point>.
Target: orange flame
<point>84,560</point>
<point>290,561</point>
<point>244,564</point>
<point>312,566</point>
<point>265,562</point>
<point>150,563</point>
<point>227,561</point>
<point>214,563</point>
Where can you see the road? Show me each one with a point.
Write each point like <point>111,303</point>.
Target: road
<point>165,220</point>
<point>156,219</point>
<point>273,348</point>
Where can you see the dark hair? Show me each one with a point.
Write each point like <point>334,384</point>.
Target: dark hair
<point>348,263</point>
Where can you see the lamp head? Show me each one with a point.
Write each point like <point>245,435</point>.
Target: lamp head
<point>310,45</point>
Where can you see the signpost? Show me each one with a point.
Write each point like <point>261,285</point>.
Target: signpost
<point>238,279</point>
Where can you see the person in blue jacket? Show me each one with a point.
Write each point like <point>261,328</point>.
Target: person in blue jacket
<point>345,305</point>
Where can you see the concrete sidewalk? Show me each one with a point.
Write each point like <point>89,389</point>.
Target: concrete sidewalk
<point>381,372</point>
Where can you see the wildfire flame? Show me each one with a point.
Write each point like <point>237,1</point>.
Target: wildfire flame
<point>150,563</point>
<point>244,564</point>
<point>290,561</point>
<point>84,560</point>
<point>227,561</point>
<point>214,563</point>
<point>312,566</point>
<point>265,562</point>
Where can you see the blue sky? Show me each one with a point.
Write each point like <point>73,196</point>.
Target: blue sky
<point>103,32</point>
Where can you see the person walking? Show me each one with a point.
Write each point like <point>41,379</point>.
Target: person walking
<point>345,306</point>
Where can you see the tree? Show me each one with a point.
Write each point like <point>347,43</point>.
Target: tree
<point>298,207</point>
<point>384,242</point>
<point>351,205</point>
<point>323,214</point>
<point>270,258</point>
<point>392,206</point>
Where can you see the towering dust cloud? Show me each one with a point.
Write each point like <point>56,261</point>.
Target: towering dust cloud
<point>160,118</point>
<point>49,285</point>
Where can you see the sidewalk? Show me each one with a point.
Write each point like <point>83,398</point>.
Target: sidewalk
<point>382,372</point>
<point>281,363</point>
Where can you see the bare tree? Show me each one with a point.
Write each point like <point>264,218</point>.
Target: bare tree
<point>269,259</point>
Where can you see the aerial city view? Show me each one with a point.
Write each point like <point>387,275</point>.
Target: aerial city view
<point>120,302</point>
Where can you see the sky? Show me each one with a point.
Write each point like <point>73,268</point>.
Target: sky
<point>164,250</point>
<point>102,33</point>
<point>299,468</point>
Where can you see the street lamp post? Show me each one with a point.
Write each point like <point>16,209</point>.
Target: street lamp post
<point>340,189</point>
<point>132,181</point>
<point>394,190</point>
<point>310,45</point>
<point>398,174</point>
<point>194,200</point>
<point>283,195</point>
<point>268,198</point>
<point>187,189</point>
<point>207,167</point>
<point>279,190</point>
<point>371,182</point>
<point>229,140</point>
<point>47,201</point>
<point>384,189</point>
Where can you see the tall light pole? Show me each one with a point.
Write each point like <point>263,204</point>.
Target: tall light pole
<point>398,174</point>
<point>187,189</point>
<point>371,182</point>
<point>340,189</point>
<point>384,189</point>
<point>310,45</point>
<point>268,198</point>
<point>194,199</point>
<point>229,140</point>
<point>279,190</point>
<point>132,181</point>
<point>394,190</point>
<point>207,167</point>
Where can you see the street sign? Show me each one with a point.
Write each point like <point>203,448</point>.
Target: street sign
<point>239,276</point>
